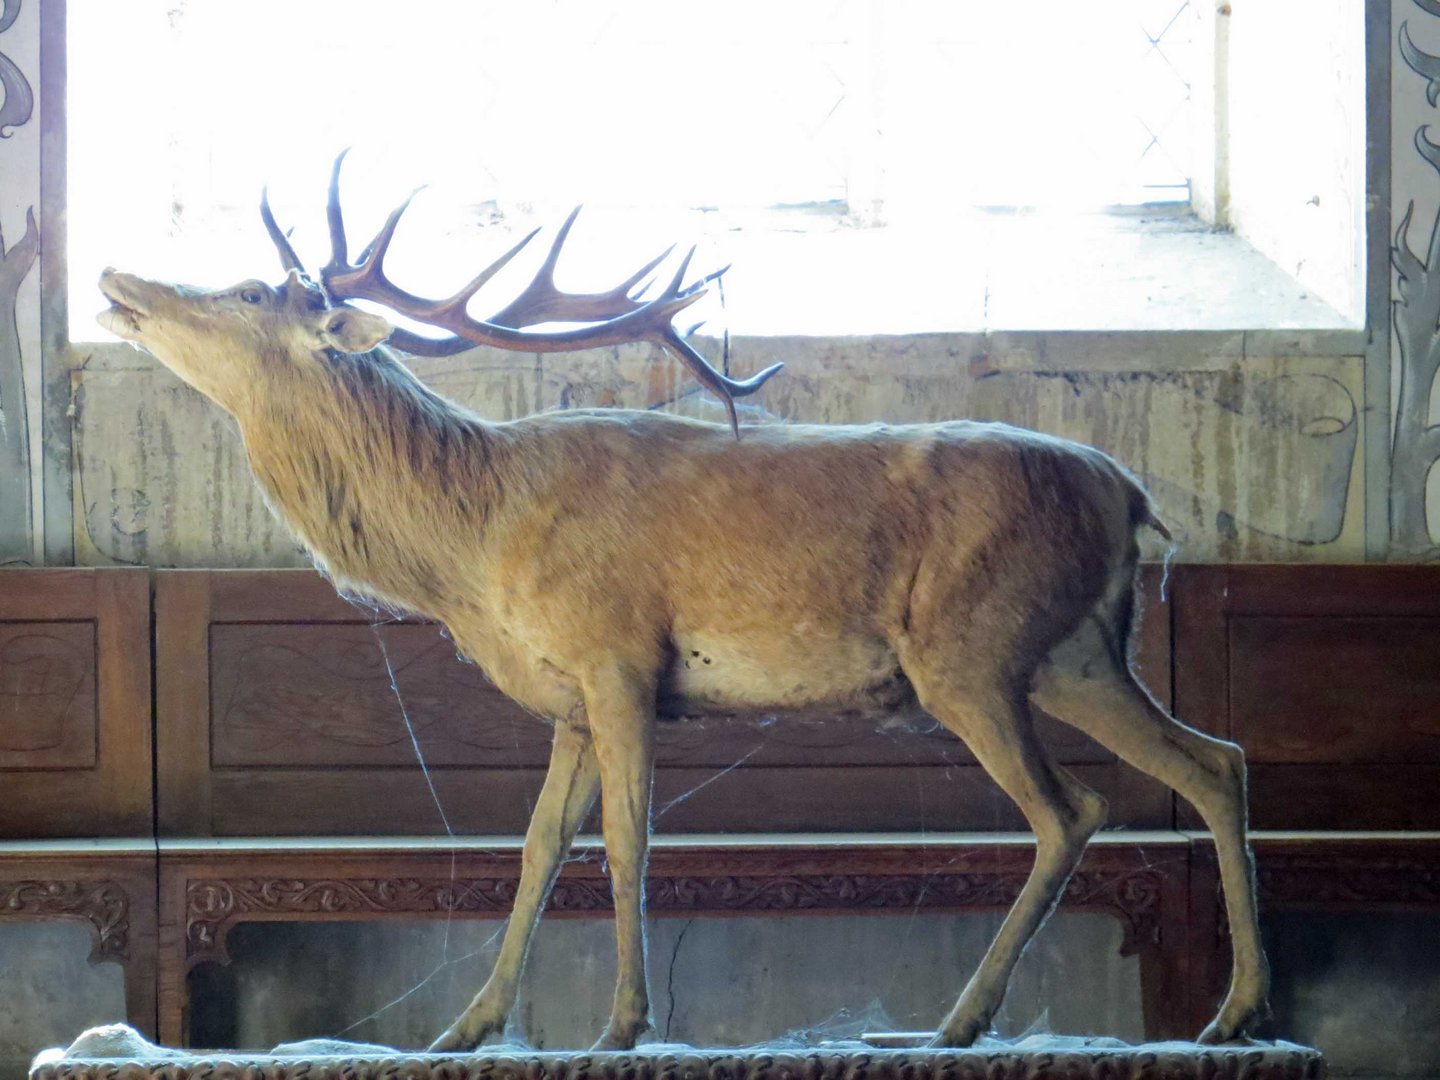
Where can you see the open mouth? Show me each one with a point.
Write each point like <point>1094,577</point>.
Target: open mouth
<point>122,318</point>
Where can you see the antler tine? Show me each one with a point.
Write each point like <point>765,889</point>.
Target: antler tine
<point>288,259</point>
<point>629,283</point>
<point>673,289</point>
<point>339,247</point>
<point>543,302</point>
<point>462,298</point>
<point>723,387</point>
<point>376,249</point>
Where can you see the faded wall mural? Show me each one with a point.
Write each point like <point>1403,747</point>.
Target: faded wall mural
<point>1417,316</point>
<point>1249,460</point>
<point>16,261</point>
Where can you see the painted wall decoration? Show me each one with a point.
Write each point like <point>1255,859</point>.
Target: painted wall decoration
<point>15,264</point>
<point>16,109</point>
<point>1257,460</point>
<point>1417,328</point>
<point>19,100</point>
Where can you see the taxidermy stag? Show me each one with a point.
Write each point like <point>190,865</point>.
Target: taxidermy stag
<point>579,557</point>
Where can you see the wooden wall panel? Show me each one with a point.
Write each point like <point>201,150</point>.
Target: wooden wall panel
<point>75,736</point>
<point>1329,677</point>
<point>48,718</point>
<point>276,714</point>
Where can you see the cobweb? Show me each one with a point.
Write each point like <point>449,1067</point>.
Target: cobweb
<point>783,981</point>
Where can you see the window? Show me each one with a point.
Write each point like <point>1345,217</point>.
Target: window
<point>861,160</point>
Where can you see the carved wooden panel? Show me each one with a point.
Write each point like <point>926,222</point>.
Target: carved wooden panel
<point>47,695</point>
<point>276,713</point>
<point>1328,677</point>
<point>321,695</point>
<point>1359,689</point>
<point>75,731</point>
<point>209,888</point>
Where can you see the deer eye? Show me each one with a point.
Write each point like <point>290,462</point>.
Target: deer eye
<point>251,295</point>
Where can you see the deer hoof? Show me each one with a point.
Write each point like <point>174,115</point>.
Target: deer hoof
<point>960,1033</point>
<point>1234,1023</point>
<point>465,1035</point>
<point>621,1035</point>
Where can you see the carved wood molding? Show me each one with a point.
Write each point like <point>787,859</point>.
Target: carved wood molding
<point>105,905</point>
<point>1336,879</point>
<point>1162,1062</point>
<point>214,905</point>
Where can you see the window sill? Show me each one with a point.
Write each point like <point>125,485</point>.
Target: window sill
<point>1005,291</point>
<point>999,273</point>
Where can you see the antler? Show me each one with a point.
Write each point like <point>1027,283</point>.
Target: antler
<point>613,317</point>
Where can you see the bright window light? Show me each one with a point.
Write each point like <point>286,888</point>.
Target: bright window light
<point>693,116</point>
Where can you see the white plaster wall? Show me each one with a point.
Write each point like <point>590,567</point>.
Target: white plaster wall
<point>1296,123</point>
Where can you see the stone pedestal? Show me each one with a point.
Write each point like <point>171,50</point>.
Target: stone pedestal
<point>1033,1059</point>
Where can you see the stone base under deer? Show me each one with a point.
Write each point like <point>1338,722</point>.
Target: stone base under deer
<point>1033,1058</point>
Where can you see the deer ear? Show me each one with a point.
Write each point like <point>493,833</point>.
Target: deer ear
<point>352,330</point>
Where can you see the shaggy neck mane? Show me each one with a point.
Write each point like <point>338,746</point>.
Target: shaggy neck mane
<point>377,475</point>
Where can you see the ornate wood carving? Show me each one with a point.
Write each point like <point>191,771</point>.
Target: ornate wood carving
<point>105,905</point>
<point>1358,878</point>
<point>1161,1062</point>
<point>214,905</point>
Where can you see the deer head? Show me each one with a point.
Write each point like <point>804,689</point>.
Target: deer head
<point>222,341</point>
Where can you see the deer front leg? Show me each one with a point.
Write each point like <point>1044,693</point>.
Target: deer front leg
<point>566,797</point>
<point>621,708</point>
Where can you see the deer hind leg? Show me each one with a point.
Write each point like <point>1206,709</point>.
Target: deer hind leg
<point>995,722</point>
<point>1087,682</point>
<point>565,799</point>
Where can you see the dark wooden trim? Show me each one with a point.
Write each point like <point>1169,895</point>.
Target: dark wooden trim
<point>182,702</point>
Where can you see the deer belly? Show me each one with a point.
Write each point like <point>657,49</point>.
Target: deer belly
<point>713,674</point>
